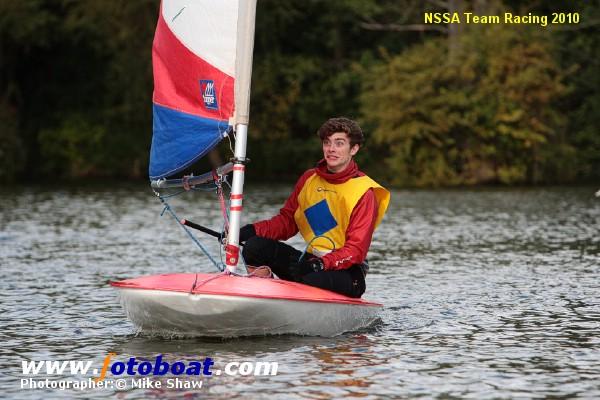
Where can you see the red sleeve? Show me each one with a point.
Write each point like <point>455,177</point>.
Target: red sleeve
<point>283,226</point>
<point>358,235</point>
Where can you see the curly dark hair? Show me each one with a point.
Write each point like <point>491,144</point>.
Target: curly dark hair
<point>342,124</point>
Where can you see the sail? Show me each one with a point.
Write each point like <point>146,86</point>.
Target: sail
<point>194,65</point>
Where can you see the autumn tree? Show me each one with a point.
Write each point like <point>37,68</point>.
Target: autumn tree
<point>485,118</point>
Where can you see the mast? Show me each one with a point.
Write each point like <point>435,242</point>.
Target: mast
<point>243,66</point>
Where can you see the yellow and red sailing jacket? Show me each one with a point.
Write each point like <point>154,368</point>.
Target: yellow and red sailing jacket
<point>324,210</point>
<point>344,207</point>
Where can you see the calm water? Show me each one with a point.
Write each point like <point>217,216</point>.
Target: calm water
<point>487,293</point>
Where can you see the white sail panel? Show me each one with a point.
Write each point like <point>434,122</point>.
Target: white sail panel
<point>208,28</point>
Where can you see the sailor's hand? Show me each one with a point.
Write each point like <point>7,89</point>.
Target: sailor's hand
<point>306,266</point>
<point>247,232</point>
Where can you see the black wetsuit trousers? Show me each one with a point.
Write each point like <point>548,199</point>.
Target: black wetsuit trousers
<point>278,256</point>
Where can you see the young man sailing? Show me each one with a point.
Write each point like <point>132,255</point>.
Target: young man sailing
<point>336,209</point>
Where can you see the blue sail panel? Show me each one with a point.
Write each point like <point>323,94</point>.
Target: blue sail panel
<point>180,139</point>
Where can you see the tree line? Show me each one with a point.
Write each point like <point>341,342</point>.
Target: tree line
<point>441,104</point>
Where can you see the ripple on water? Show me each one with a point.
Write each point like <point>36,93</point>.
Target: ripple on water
<point>488,294</point>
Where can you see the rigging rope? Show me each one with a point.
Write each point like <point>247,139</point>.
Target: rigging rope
<point>218,184</point>
<point>168,208</point>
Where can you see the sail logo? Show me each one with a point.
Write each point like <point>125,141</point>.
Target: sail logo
<point>207,90</point>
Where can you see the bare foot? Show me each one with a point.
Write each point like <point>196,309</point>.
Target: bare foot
<point>262,271</point>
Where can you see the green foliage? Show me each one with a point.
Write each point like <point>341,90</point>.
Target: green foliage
<point>11,147</point>
<point>302,71</point>
<point>283,159</point>
<point>73,149</point>
<point>75,67</point>
<point>578,52</point>
<point>519,106</point>
<point>26,23</point>
<point>485,118</point>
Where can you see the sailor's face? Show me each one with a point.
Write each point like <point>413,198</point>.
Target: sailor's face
<point>337,151</point>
